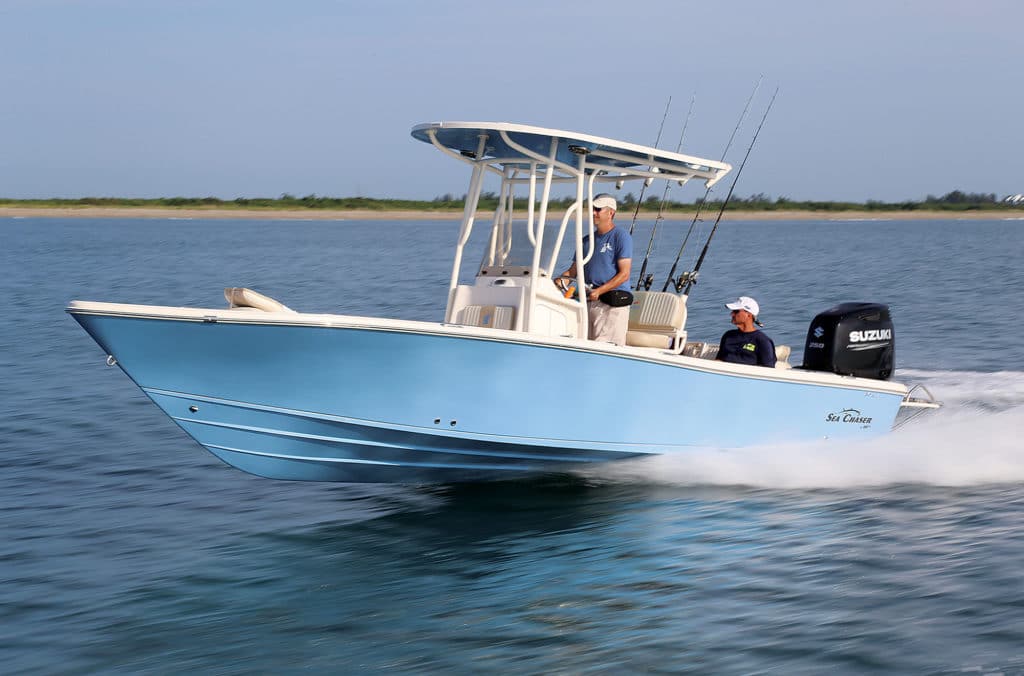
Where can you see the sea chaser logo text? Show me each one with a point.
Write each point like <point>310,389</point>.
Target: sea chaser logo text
<point>849,415</point>
<point>871,334</point>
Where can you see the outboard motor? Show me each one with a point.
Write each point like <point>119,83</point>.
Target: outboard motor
<point>852,339</point>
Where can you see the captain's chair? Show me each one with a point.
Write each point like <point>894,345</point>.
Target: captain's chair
<point>657,319</point>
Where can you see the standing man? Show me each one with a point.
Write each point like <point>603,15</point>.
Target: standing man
<point>607,270</point>
<point>745,344</point>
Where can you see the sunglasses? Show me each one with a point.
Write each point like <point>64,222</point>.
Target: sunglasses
<point>599,208</point>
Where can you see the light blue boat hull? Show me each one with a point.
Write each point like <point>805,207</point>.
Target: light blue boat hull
<point>378,404</point>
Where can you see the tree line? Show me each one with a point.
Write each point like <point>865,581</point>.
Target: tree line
<point>951,201</point>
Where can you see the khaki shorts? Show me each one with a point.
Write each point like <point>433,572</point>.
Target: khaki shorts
<point>607,324</point>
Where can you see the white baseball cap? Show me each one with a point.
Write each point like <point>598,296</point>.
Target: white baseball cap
<point>605,201</point>
<point>745,303</point>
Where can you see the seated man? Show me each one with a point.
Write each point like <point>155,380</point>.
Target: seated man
<point>745,344</point>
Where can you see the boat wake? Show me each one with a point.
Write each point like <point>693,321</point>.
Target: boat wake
<point>974,439</point>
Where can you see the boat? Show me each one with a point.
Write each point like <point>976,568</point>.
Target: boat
<point>506,383</point>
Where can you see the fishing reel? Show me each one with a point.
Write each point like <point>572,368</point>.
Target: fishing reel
<point>645,282</point>
<point>684,279</point>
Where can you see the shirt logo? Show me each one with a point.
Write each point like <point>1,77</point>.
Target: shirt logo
<point>607,246</point>
<point>750,347</point>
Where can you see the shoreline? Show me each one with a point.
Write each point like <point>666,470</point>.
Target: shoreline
<point>214,213</point>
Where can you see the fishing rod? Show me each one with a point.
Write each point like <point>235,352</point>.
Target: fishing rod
<point>645,280</point>
<point>656,142</point>
<point>685,277</point>
<point>696,269</point>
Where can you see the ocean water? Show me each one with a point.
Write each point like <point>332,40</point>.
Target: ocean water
<point>126,548</point>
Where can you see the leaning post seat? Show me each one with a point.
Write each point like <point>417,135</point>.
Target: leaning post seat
<point>657,319</point>
<point>240,297</point>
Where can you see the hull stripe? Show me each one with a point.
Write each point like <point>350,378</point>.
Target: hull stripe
<point>583,445</point>
<point>427,465</point>
<point>405,447</point>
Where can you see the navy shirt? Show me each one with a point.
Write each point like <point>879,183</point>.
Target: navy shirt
<point>752,348</point>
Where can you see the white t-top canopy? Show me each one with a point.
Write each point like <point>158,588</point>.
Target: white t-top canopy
<point>515,145</point>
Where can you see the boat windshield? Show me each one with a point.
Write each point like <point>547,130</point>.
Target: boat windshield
<point>511,247</point>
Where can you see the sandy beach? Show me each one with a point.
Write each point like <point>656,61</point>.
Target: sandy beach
<point>214,213</point>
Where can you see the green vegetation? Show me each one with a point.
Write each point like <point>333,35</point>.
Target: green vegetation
<point>953,201</point>
<point>285,201</point>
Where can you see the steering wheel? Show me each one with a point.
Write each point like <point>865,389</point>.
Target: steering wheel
<point>567,285</point>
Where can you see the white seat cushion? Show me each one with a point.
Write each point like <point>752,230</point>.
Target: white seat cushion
<point>782,357</point>
<point>487,316</point>
<point>657,311</point>
<point>643,339</point>
<point>656,319</point>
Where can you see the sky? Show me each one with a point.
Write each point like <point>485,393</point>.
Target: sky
<point>887,100</point>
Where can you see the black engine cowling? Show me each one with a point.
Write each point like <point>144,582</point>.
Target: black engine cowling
<point>854,339</point>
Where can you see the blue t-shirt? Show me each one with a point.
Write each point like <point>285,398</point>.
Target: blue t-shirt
<point>752,348</point>
<point>609,248</point>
